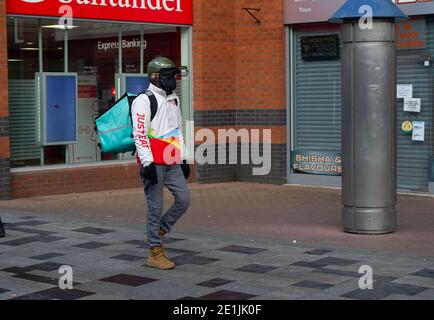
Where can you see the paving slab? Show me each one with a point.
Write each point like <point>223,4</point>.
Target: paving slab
<point>309,215</point>
<point>109,262</point>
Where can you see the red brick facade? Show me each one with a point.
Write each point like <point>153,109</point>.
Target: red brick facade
<point>239,67</point>
<point>239,78</point>
<point>62,181</point>
<point>76,180</point>
<point>238,63</point>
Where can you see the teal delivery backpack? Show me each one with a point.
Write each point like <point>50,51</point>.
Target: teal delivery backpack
<point>114,127</point>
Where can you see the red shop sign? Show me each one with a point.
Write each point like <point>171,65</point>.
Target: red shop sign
<point>159,11</point>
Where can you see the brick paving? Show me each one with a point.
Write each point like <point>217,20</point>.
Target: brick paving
<point>238,241</point>
<point>109,262</point>
<point>307,214</point>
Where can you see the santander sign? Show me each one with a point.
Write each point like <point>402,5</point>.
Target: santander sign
<point>159,11</point>
<point>168,5</point>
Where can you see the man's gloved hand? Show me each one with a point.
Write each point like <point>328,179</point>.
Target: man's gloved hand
<point>149,173</point>
<point>185,169</point>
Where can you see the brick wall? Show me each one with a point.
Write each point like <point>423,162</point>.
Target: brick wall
<point>213,54</point>
<point>240,79</point>
<point>4,110</point>
<point>260,55</point>
<point>84,179</point>
<point>62,181</point>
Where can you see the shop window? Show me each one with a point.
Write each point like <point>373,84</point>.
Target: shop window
<point>92,52</point>
<point>131,46</point>
<point>23,62</point>
<point>53,40</point>
<point>53,46</point>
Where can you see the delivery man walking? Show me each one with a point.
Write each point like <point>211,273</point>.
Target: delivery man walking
<point>161,154</point>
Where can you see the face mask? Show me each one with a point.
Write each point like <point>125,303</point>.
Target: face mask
<point>167,80</point>
<point>168,84</point>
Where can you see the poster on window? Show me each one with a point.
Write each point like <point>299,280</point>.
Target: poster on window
<point>418,131</point>
<point>86,149</point>
<point>316,162</point>
<point>411,34</point>
<point>412,104</point>
<point>404,91</point>
<point>320,48</point>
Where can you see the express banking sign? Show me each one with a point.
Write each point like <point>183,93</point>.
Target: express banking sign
<point>158,11</point>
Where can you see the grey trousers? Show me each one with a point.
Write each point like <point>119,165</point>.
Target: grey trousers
<point>173,179</point>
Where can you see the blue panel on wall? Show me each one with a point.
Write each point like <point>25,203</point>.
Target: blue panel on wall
<point>61,109</point>
<point>135,84</point>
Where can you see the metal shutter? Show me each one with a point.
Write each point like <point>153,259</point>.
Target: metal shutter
<point>414,157</point>
<point>317,101</point>
<point>317,109</point>
<point>22,117</point>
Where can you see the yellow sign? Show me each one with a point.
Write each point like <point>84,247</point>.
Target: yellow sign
<point>407,126</point>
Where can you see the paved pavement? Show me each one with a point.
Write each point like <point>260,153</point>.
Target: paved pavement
<point>108,260</point>
<point>237,241</point>
<point>307,214</point>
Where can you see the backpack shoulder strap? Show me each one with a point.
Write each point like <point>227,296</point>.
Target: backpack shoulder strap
<point>154,104</point>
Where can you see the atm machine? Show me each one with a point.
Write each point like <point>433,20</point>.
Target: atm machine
<point>130,82</point>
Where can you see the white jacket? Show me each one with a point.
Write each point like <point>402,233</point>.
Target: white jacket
<point>160,141</point>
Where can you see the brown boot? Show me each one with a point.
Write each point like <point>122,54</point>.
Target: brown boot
<point>162,233</point>
<point>157,259</point>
